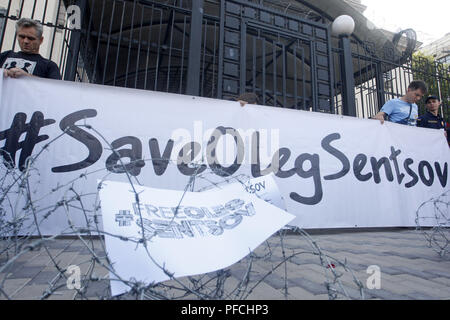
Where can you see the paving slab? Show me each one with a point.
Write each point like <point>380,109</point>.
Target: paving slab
<point>409,269</point>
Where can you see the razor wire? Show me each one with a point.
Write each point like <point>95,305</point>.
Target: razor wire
<point>438,235</point>
<point>21,234</point>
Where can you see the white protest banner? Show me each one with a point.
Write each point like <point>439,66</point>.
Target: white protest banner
<point>186,233</point>
<point>332,171</point>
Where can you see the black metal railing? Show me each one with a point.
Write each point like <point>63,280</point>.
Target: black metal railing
<point>219,49</point>
<point>379,79</point>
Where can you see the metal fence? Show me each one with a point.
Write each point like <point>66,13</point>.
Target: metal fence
<point>219,49</point>
<point>381,78</point>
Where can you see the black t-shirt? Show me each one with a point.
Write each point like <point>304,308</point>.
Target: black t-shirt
<point>33,64</point>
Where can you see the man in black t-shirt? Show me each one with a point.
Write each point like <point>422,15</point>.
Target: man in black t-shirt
<point>28,61</point>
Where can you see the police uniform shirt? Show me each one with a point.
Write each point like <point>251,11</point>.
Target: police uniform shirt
<point>31,63</point>
<point>429,120</point>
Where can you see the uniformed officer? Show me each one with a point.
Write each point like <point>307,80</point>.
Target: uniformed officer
<point>431,119</point>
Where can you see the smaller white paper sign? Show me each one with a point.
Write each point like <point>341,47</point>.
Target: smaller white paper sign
<point>266,189</point>
<point>186,233</point>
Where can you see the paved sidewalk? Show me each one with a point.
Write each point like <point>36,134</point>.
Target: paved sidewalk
<point>408,269</point>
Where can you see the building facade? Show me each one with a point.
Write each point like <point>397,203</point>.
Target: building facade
<point>439,49</point>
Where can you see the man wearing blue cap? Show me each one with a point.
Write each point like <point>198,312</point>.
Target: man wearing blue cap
<point>432,119</point>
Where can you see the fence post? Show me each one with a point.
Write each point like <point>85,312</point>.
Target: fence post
<point>195,45</point>
<point>74,45</point>
<point>348,81</point>
<point>380,85</point>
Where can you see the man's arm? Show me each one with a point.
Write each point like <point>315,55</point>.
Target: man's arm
<point>380,116</point>
<point>242,102</point>
<point>52,72</point>
<point>15,73</point>
<point>386,110</point>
